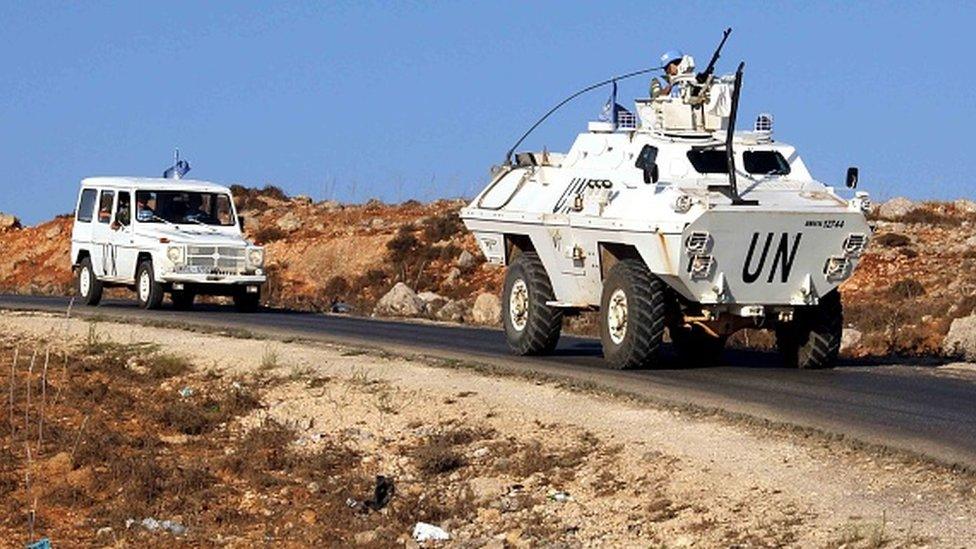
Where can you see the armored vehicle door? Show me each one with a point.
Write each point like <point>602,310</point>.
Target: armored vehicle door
<point>122,241</point>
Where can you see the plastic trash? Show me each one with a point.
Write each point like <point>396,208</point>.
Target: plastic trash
<point>560,497</point>
<point>186,392</point>
<point>43,543</point>
<point>154,525</point>
<point>428,532</point>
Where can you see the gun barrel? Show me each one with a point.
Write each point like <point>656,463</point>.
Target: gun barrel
<point>718,51</point>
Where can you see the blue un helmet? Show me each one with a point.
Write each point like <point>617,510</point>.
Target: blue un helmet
<point>670,56</point>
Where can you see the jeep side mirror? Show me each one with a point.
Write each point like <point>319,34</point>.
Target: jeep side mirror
<point>240,222</point>
<point>852,176</point>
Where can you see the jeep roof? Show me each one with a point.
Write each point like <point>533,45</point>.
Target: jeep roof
<point>154,183</point>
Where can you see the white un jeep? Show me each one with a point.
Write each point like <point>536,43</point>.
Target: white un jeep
<point>159,236</point>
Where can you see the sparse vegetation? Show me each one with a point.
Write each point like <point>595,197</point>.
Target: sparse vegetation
<point>269,359</point>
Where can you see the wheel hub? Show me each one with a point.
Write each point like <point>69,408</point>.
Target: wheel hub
<point>518,305</point>
<point>617,316</point>
<point>84,282</point>
<point>144,286</point>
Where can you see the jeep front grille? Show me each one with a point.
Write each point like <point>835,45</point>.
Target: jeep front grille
<point>223,260</point>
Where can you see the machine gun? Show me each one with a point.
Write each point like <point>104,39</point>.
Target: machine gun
<point>702,77</point>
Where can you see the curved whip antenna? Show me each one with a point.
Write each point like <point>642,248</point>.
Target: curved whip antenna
<point>508,155</point>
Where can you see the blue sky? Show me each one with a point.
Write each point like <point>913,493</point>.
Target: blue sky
<point>351,100</point>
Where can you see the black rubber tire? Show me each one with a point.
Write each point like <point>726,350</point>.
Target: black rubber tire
<point>640,346</point>
<point>95,286</point>
<point>182,300</point>
<point>543,323</point>
<point>246,303</point>
<point>156,293</point>
<point>812,340</point>
<point>696,347</point>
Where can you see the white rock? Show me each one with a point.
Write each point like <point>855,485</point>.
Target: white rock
<point>965,206</point>
<point>452,311</point>
<point>289,222</point>
<point>428,532</point>
<point>961,339</point>
<point>487,309</point>
<point>849,339</point>
<point>8,222</point>
<point>466,260</point>
<point>401,300</point>
<point>896,207</point>
<point>432,301</point>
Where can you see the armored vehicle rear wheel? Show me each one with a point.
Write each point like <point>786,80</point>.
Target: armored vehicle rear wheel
<point>531,326</point>
<point>88,285</point>
<point>149,292</point>
<point>182,300</point>
<point>812,339</point>
<point>633,316</point>
<point>695,346</point>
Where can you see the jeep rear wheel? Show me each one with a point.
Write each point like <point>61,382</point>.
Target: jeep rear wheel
<point>812,339</point>
<point>148,291</point>
<point>531,326</point>
<point>88,285</point>
<point>633,311</point>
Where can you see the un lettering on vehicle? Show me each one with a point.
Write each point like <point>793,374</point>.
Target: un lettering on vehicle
<point>758,262</point>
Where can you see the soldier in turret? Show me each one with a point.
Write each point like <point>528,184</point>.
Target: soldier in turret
<point>671,60</point>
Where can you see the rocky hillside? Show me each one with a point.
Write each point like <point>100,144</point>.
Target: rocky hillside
<point>413,259</point>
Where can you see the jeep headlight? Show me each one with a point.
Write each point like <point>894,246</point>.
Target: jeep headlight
<point>175,254</point>
<point>255,256</point>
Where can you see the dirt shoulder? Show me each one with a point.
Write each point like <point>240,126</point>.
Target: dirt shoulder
<point>492,460</point>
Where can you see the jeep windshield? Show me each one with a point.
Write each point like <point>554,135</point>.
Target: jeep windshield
<point>180,207</point>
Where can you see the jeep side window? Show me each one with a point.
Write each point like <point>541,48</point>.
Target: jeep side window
<point>123,214</point>
<point>105,207</point>
<point>86,206</point>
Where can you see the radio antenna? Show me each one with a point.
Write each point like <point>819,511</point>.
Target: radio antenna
<point>508,155</point>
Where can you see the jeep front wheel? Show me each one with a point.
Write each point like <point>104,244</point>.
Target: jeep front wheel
<point>633,311</point>
<point>531,326</point>
<point>88,285</point>
<point>148,291</point>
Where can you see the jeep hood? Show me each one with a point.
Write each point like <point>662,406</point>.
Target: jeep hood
<point>194,235</point>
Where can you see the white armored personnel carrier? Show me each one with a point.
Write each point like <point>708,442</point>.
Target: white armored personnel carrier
<point>670,220</point>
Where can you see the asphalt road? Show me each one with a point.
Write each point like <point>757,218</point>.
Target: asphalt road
<point>918,408</point>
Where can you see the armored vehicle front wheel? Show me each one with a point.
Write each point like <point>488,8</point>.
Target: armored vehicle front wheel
<point>633,315</point>
<point>88,285</point>
<point>531,326</point>
<point>695,346</point>
<point>149,292</point>
<point>812,339</point>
